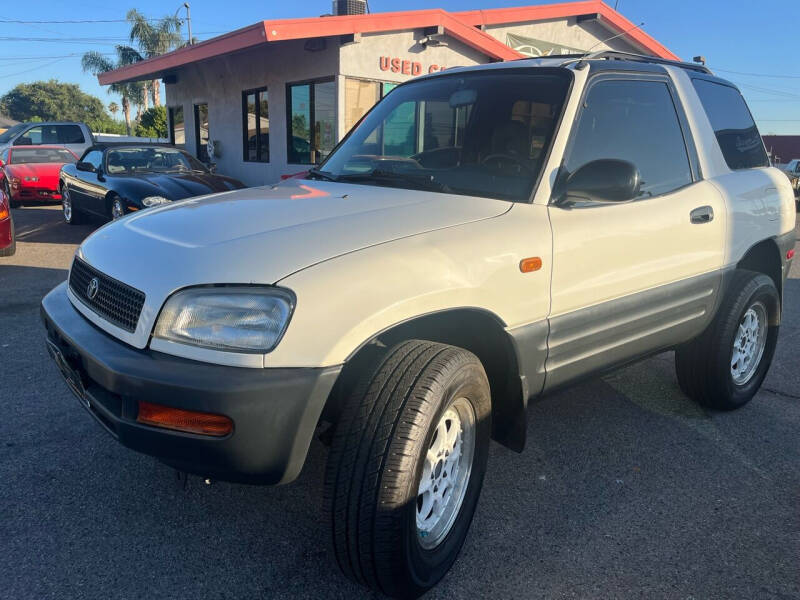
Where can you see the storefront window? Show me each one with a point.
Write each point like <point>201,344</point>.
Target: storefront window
<point>312,119</point>
<point>177,131</point>
<point>255,122</point>
<point>359,97</point>
<point>387,87</point>
<point>201,131</point>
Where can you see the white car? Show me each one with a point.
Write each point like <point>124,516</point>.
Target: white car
<point>484,236</point>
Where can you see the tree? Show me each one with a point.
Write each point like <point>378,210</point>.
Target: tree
<point>154,39</point>
<point>51,101</point>
<point>113,108</point>
<point>131,92</point>
<point>153,123</point>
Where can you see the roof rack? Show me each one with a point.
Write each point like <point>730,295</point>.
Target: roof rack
<point>629,56</point>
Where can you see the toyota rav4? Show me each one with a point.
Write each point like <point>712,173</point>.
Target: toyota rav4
<point>482,237</point>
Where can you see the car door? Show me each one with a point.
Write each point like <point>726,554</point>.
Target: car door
<point>84,189</point>
<point>632,277</point>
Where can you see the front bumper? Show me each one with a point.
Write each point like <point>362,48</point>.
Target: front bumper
<point>33,194</point>
<point>274,411</point>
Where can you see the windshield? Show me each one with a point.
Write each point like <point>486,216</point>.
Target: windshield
<point>6,136</point>
<point>485,133</point>
<point>131,161</point>
<point>20,156</point>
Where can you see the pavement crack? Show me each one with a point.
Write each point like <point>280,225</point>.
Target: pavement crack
<point>780,393</point>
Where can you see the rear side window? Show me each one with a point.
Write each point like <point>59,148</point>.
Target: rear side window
<point>69,134</point>
<point>733,125</point>
<point>634,121</point>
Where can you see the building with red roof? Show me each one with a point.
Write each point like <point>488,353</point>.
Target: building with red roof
<point>275,97</point>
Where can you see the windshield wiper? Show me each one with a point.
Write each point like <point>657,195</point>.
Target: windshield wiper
<point>316,173</point>
<point>381,176</point>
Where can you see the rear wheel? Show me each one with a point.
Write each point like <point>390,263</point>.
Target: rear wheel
<point>725,366</point>
<point>406,467</point>
<point>71,216</point>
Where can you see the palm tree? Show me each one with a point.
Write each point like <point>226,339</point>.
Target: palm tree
<point>131,92</point>
<point>154,39</point>
<point>113,108</point>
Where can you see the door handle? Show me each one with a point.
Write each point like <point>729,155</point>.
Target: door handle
<point>702,214</point>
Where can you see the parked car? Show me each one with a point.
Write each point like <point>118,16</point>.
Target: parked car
<point>542,221</point>
<point>792,170</point>
<point>75,136</point>
<point>111,180</point>
<point>31,174</point>
<point>8,243</point>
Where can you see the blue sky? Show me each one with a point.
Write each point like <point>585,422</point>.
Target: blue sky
<point>753,44</point>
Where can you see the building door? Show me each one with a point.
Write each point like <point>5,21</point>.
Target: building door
<point>201,131</point>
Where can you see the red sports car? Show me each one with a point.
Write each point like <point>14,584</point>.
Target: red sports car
<point>30,174</point>
<point>7,242</point>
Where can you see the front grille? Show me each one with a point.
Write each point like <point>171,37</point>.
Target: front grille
<point>116,302</point>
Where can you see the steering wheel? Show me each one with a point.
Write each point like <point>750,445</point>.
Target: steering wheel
<point>499,158</point>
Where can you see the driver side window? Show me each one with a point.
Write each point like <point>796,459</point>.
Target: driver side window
<point>94,158</point>
<point>635,121</point>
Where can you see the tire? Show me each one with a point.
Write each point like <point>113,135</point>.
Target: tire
<point>116,208</point>
<point>72,216</point>
<point>11,203</point>
<point>399,411</point>
<point>706,367</point>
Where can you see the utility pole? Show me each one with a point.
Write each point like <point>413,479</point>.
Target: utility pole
<point>189,21</point>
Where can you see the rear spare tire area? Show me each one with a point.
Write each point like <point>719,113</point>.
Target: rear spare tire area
<point>406,467</point>
<point>724,367</point>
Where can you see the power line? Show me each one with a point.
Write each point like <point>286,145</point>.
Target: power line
<point>756,74</point>
<point>34,58</point>
<point>70,22</point>
<point>29,69</point>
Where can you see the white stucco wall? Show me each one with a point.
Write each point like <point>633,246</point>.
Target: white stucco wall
<point>565,31</point>
<point>221,81</point>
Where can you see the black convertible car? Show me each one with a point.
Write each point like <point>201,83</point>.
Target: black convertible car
<point>111,180</point>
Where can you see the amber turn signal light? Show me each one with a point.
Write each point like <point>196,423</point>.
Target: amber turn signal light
<point>178,419</point>
<point>528,265</point>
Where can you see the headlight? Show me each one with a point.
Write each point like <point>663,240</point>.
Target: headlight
<point>247,319</point>
<point>31,178</point>
<point>155,200</point>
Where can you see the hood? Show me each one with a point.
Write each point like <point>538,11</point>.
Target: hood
<point>177,186</point>
<point>261,235</point>
<point>46,172</point>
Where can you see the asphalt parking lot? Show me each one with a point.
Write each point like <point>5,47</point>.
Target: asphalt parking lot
<point>626,488</point>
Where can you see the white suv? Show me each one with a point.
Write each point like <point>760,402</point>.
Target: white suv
<point>482,237</point>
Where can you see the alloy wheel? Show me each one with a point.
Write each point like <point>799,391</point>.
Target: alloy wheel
<point>749,343</point>
<point>446,472</point>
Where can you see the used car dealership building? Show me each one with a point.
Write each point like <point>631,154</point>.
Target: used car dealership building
<point>277,96</point>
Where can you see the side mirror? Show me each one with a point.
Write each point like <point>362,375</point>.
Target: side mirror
<point>85,166</point>
<point>603,180</point>
<point>23,141</point>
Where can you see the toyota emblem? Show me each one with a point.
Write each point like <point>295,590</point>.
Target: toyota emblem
<point>91,289</point>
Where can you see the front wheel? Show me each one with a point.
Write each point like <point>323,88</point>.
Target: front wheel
<point>117,209</point>
<point>71,216</point>
<point>406,467</point>
<point>724,367</point>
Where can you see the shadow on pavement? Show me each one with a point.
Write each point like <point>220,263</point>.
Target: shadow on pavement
<point>45,225</point>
